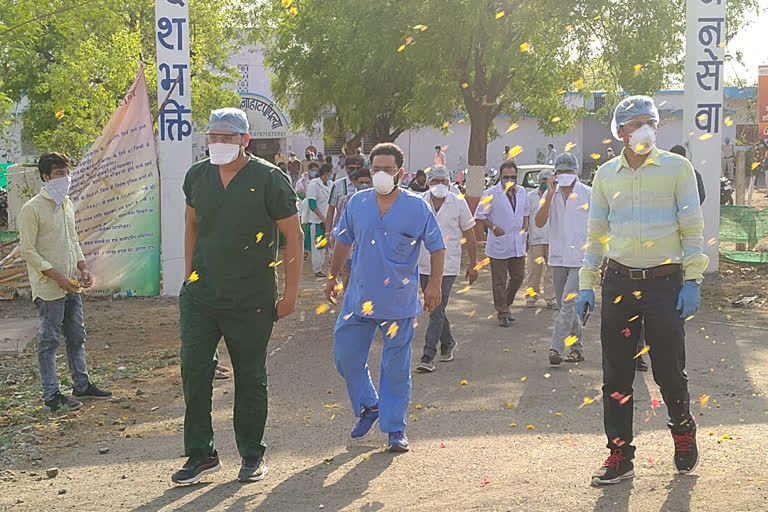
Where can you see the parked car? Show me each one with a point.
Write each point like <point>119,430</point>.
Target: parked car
<point>530,174</point>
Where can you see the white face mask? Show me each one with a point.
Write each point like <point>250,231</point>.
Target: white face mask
<point>565,180</point>
<point>383,182</point>
<point>439,191</point>
<point>642,140</point>
<point>222,154</point>
<point>58,188</point>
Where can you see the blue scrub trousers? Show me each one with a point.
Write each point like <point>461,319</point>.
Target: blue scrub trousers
<point>352,342</point>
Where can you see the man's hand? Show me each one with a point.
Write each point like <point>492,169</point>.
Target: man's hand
<point>66,284</point>
<point>433,295</point>
<point>689,299</point>
<point>284,308</point>
<point>551,184</point>
<point>471,273</point>
<point>86,279</point>
<point>332,290</point>
<point>498,231</point>
<point>586,299</point>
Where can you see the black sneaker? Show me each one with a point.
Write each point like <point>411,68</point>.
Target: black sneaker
<point>196,467</point>
<point>446,353</point>
<point>253,469</point>
<point>686,451</point>
<point>641,365</point>
<point>427,365</point>
<point>616,468</point>
<point>60,400</point>
<point>92,392</point>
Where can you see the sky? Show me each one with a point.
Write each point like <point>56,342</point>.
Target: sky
<point>752,42</point>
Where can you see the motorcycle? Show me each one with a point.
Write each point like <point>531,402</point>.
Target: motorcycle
<point>726,191</point>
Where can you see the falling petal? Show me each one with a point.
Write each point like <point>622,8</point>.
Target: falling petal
<point>194,276</point>
<point>617,299</point>
<point>500,15</point>
<point>483,263</point>
<point>595,156</point>
<point>273,264</point>
<point>368,308</point>
<point>446,124</point>
<point>530,427</point>
<point>420,27</point>
<point>463,382</point>
<point>464,85</point>
<point>322,308</point>
<point>570,340</point>
<point>512,127</point>
<point>728,121</point>
<point>259,236</point>
<point>392,331</point>
<point>547,375</point>
<point>634,318</point>
<point>618,441</point>
<point>638,294</point>
<point>347,316</point>
<point>585,206</point>
<point>626,332</point>
<point>293,11</point>
<point>408,40</point>
<point>59,114</point>
<point>571,296</point>
<point>706,136</point>
<point>286,3</point>
<point>578,84</point>
<point>703,399</point>
<point>401,48</point>
<point>556,119</point>
<point>464,290</point>
<point>386,282</point>
<point>463,240</point>
<point>522,379</point>
<point>617,194</point>
<point>540,260</point>
<point>712,241</point>
<point>525,47</point>
<point>570,146</point>
<point>654,403</point>
<point>638,68</point>
<point>530,292</point>
<point>587,401</point>
<point>643,350</point>
<point>515,151</point>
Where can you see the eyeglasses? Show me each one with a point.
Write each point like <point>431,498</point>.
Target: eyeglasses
<point>388,170</point>
<point>221,138</point>
<point>639,123</point>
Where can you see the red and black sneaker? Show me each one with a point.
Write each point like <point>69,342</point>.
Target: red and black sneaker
<point>617,467</point>
<point>686,451</point>
<point>196,467</point>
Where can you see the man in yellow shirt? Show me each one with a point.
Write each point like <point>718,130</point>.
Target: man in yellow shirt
<point>645,218</point>
<point>50,246</point>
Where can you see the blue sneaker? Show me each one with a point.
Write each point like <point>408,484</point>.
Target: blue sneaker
<point>398,442</point>
<point>367,420</point>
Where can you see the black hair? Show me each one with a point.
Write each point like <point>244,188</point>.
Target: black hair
<point>678,150</point>
<point>50,161</point>
<point>387,148</point>
<point>420,172</point>
<point>506,164</point>
<point>355,160</point>
<point>313,165</point>
<point>281,163</point>
<point>325,169</point>
<point>329,159</point>
<point>363,172</point>
<point>438,147</point>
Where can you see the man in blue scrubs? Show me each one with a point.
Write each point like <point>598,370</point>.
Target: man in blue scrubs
<point>387,226</point>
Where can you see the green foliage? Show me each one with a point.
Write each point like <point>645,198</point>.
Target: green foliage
<point>82,60</point>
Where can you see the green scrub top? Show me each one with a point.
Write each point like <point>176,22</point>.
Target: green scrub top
<point>235,254</point>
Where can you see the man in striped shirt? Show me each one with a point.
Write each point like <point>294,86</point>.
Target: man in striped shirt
<point>646,220</point>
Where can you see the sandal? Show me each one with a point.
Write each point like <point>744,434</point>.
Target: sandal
<point>222,372</point>
<point>554,357</point>
<point>574,357</point>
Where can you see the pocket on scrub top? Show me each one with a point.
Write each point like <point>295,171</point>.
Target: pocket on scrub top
<point>400,247</point>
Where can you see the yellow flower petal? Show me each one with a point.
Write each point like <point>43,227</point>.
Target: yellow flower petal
<point>638,68</point>
<point>643,350</point>
<point>194,276</point>
<point>512,127</point>
<point>578,84</point>
<point>706,136</point>
<point>570,340</point>
<point>525,47</point>
<point>322,308</point>
<point>401,48</point>
<point>500,15</point>
<point>367,308</point>
<point>463,382</point>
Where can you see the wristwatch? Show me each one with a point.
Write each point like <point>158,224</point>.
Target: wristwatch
<point>697,281</point>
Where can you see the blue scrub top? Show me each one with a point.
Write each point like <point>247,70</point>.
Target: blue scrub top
<point>385,261</point>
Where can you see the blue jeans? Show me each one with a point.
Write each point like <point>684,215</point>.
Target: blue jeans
<point>353,336</point>
<point>64,315</point>
<point>439,328</point>
<point>566,282</point>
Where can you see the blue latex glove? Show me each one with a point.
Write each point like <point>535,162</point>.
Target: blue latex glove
<point>689,299</point>
<point>586,299</point>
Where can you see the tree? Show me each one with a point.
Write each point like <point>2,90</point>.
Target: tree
<point>74,60</point>
<point>337,61</point>
<point>521,56</point>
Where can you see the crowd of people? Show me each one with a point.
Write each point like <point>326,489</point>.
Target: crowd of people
<point>637,231</point>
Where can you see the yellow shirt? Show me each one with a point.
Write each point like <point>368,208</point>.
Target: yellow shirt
<point>644,218</point>
<point>48,240</point>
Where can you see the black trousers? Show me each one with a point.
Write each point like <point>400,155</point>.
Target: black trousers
<point>652,303</point>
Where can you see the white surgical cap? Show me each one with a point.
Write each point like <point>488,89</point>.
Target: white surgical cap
<point>439,172</point>
<point>566,162</point>
<point>228,120</point>
<point>630,107</point>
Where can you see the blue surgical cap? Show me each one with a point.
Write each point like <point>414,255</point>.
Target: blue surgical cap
<point>439,172</point>
<point>228,120</point>
<point>630,107</point>
<point>566,162</point>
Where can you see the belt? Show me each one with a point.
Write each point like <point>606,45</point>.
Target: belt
<point>642,274</point>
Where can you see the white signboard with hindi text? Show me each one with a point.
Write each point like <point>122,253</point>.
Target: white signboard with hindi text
<point>704,114</point>
<point>174,125</point>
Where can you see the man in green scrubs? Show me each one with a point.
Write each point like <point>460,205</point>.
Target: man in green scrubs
<point>236,205</point>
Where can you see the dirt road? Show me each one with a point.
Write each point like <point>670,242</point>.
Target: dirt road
<point>512,438</point>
